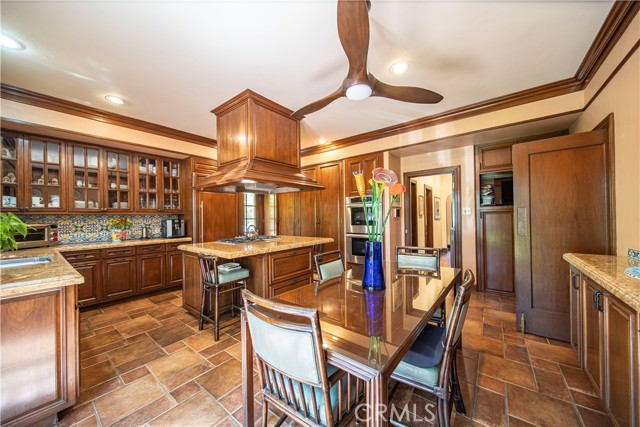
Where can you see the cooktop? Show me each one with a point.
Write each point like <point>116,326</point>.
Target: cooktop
<point>243,239</point>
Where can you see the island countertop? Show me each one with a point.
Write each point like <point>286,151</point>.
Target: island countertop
<point>230,251</point>
<point>608,272</point>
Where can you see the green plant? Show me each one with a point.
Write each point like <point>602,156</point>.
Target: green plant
<point>10,225</point>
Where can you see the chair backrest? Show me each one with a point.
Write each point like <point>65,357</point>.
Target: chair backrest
<point>208,268</point>
<point>418,258</point>
<point>287,342</point>
<point>329,265</point>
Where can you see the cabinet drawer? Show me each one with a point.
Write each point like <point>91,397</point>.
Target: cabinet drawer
<point>289,264</point>
<point>81,255</point>
<point>289,285</point>
<point>150,249</point>
<point>113,253</point>
<point>171,247</point>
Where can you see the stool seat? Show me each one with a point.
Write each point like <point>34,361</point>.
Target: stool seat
<point>228,276</point>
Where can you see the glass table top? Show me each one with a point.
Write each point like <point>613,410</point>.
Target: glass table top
<point>373,328</point>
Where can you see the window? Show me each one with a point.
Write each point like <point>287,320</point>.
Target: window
<point>270,214</point>
<point>249,210</point>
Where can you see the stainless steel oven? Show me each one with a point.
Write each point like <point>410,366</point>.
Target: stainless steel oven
<point>354,248</point>
<point>38,236</point>
<point>355,219</point>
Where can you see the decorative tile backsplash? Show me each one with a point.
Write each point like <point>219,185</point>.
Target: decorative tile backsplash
<point>95,228</point>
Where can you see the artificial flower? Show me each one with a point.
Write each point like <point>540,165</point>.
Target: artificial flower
<point>359,177</point>
<point>381,180</point>
<point>397,189</point>
<point>385,176</point>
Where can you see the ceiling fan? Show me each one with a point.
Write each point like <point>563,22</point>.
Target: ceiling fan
<point>353,29</point>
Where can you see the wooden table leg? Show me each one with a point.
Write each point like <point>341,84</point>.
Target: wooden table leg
<point>247,373</point>
<point>378,402</point>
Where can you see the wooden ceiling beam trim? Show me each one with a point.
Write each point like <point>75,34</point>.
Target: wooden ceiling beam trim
<point>36,99</point>
<point>620,16</point>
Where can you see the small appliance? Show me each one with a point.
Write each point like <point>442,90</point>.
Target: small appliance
<point>38,236</point>
<point>173,228</point>
<point>355,219</point>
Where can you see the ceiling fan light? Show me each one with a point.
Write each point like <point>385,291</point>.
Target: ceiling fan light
<point>359,91</point>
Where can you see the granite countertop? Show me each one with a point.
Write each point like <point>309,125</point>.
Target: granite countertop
<point>608,272</point>
<point>17,280</point>
<point>109,245</point>
<point>230,251</point>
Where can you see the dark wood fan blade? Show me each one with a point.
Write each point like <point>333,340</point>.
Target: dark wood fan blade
<point>353,29</point>
<point>321,103</point>
<point>403,93</point>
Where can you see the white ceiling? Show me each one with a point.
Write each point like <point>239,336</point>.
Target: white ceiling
<point>175,61</point>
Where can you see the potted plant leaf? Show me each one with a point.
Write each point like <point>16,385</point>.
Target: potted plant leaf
<point>10,225</point>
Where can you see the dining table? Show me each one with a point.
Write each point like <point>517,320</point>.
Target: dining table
<point>365,333</point>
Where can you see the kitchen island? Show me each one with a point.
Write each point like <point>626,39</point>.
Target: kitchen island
<point>275,266</point>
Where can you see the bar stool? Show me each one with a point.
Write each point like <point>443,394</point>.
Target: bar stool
<point>218,282</point>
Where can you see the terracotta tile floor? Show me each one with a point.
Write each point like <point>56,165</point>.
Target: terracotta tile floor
<point>144,362</point>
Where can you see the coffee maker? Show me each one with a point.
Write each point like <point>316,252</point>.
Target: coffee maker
<point>173,228</point>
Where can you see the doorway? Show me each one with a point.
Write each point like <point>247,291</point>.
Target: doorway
<point>432,212</point>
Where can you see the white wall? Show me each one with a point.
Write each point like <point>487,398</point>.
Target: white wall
<point>463,157</point>
<point>441,188</point>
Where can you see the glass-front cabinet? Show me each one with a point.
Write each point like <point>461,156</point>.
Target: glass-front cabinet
<point>85,175</point>
<point>171,185</point>
<point>45,180</point>
<point>148,183</point>
<point>11,183</point>
<point>119,183</point>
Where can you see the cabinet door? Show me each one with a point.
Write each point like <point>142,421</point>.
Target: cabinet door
<point>329,205</point>
<point>495,157</point>
<point>89,292</point>
<point>44,175</point>
<point>151,272</point>
<point>149,184</point>
<point>84,175</point>
<point>118,277</point>
<point>10,171</point>
<point>621,362</point>
<point>171,186</point>
<point>496,240</point>
<point>289,265</point>
<point>593,321</point>
<point>288,205</point>
<point>308,214</point>
<point>174,269</point>
<point>119,183</point>
<point>575,312</point>
<point>366,163</point>
<point>217,216</point>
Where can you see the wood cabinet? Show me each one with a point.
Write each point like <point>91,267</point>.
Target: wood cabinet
<point>119,184</point>
<point>150,267</point>
<point>495,258</point>
<point>90,292</point>
<point>174,268</point>
<point>84,173</point>
<point>119,277</point>
<point>494,156</point>
<point>366,163</point>
<point>607,341</point>
<point>297,212</point>
<point>39,364</point>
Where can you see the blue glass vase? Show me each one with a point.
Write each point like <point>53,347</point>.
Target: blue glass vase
<point>373,279</point>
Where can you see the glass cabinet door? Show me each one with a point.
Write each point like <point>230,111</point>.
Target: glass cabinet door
<point>86,178</point>
<point>11,199</point>
<point>118,181</point>
<point>171,185</point>
<point>148,183</point>
<point>43,172</point>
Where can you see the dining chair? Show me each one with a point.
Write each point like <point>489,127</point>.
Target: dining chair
<point>430,364</point>
<point>216,281</point>
<point>426,260</point>
<point>304,387</point>
<point>329,265</point>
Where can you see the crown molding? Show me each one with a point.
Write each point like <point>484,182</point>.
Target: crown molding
<point>617,21</point>
<point>36,99</point>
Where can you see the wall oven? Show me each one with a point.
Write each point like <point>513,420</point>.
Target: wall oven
<point>38,236</point>
<point>355,219</point>
<point>354,248</point>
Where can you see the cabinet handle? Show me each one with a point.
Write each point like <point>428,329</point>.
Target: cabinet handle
<point>596,300</point>
<point>293,253</point>
<point>574,281</point>
<point>120,252</point>
<point>80,256</point>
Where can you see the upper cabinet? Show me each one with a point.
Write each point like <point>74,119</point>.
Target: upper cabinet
<point>44,175</point>
<point>492,157</point>
<point>366,163</point>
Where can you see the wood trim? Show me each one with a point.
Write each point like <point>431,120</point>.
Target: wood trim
<point>621,15</point>
<point>28,97</point>
<point>608,125</point>
<point>617,21</point>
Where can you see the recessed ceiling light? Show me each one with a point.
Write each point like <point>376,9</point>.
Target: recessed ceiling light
<point>10,42</point>
<point>399,68</point>
<point>114,99</point>
<point>322,141</point>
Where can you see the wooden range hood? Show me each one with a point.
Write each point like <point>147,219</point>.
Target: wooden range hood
<point>258,149</point>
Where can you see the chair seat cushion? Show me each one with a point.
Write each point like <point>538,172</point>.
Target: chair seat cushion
<point>407,371</point>
<point>427,351</point>
<point>230,276</point>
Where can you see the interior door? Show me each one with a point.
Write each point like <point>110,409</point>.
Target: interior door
<point>429,223</point>
<point>561,205</point>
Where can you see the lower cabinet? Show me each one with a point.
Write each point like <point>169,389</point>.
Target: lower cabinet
<point>151,274</point>
<point>607,345</point>
<point>119,277</point>
<point>174,269</point>
<point>90,292</point>
<point>39,340</point>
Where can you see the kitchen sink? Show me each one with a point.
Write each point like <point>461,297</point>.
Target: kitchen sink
<point>24,261</point>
